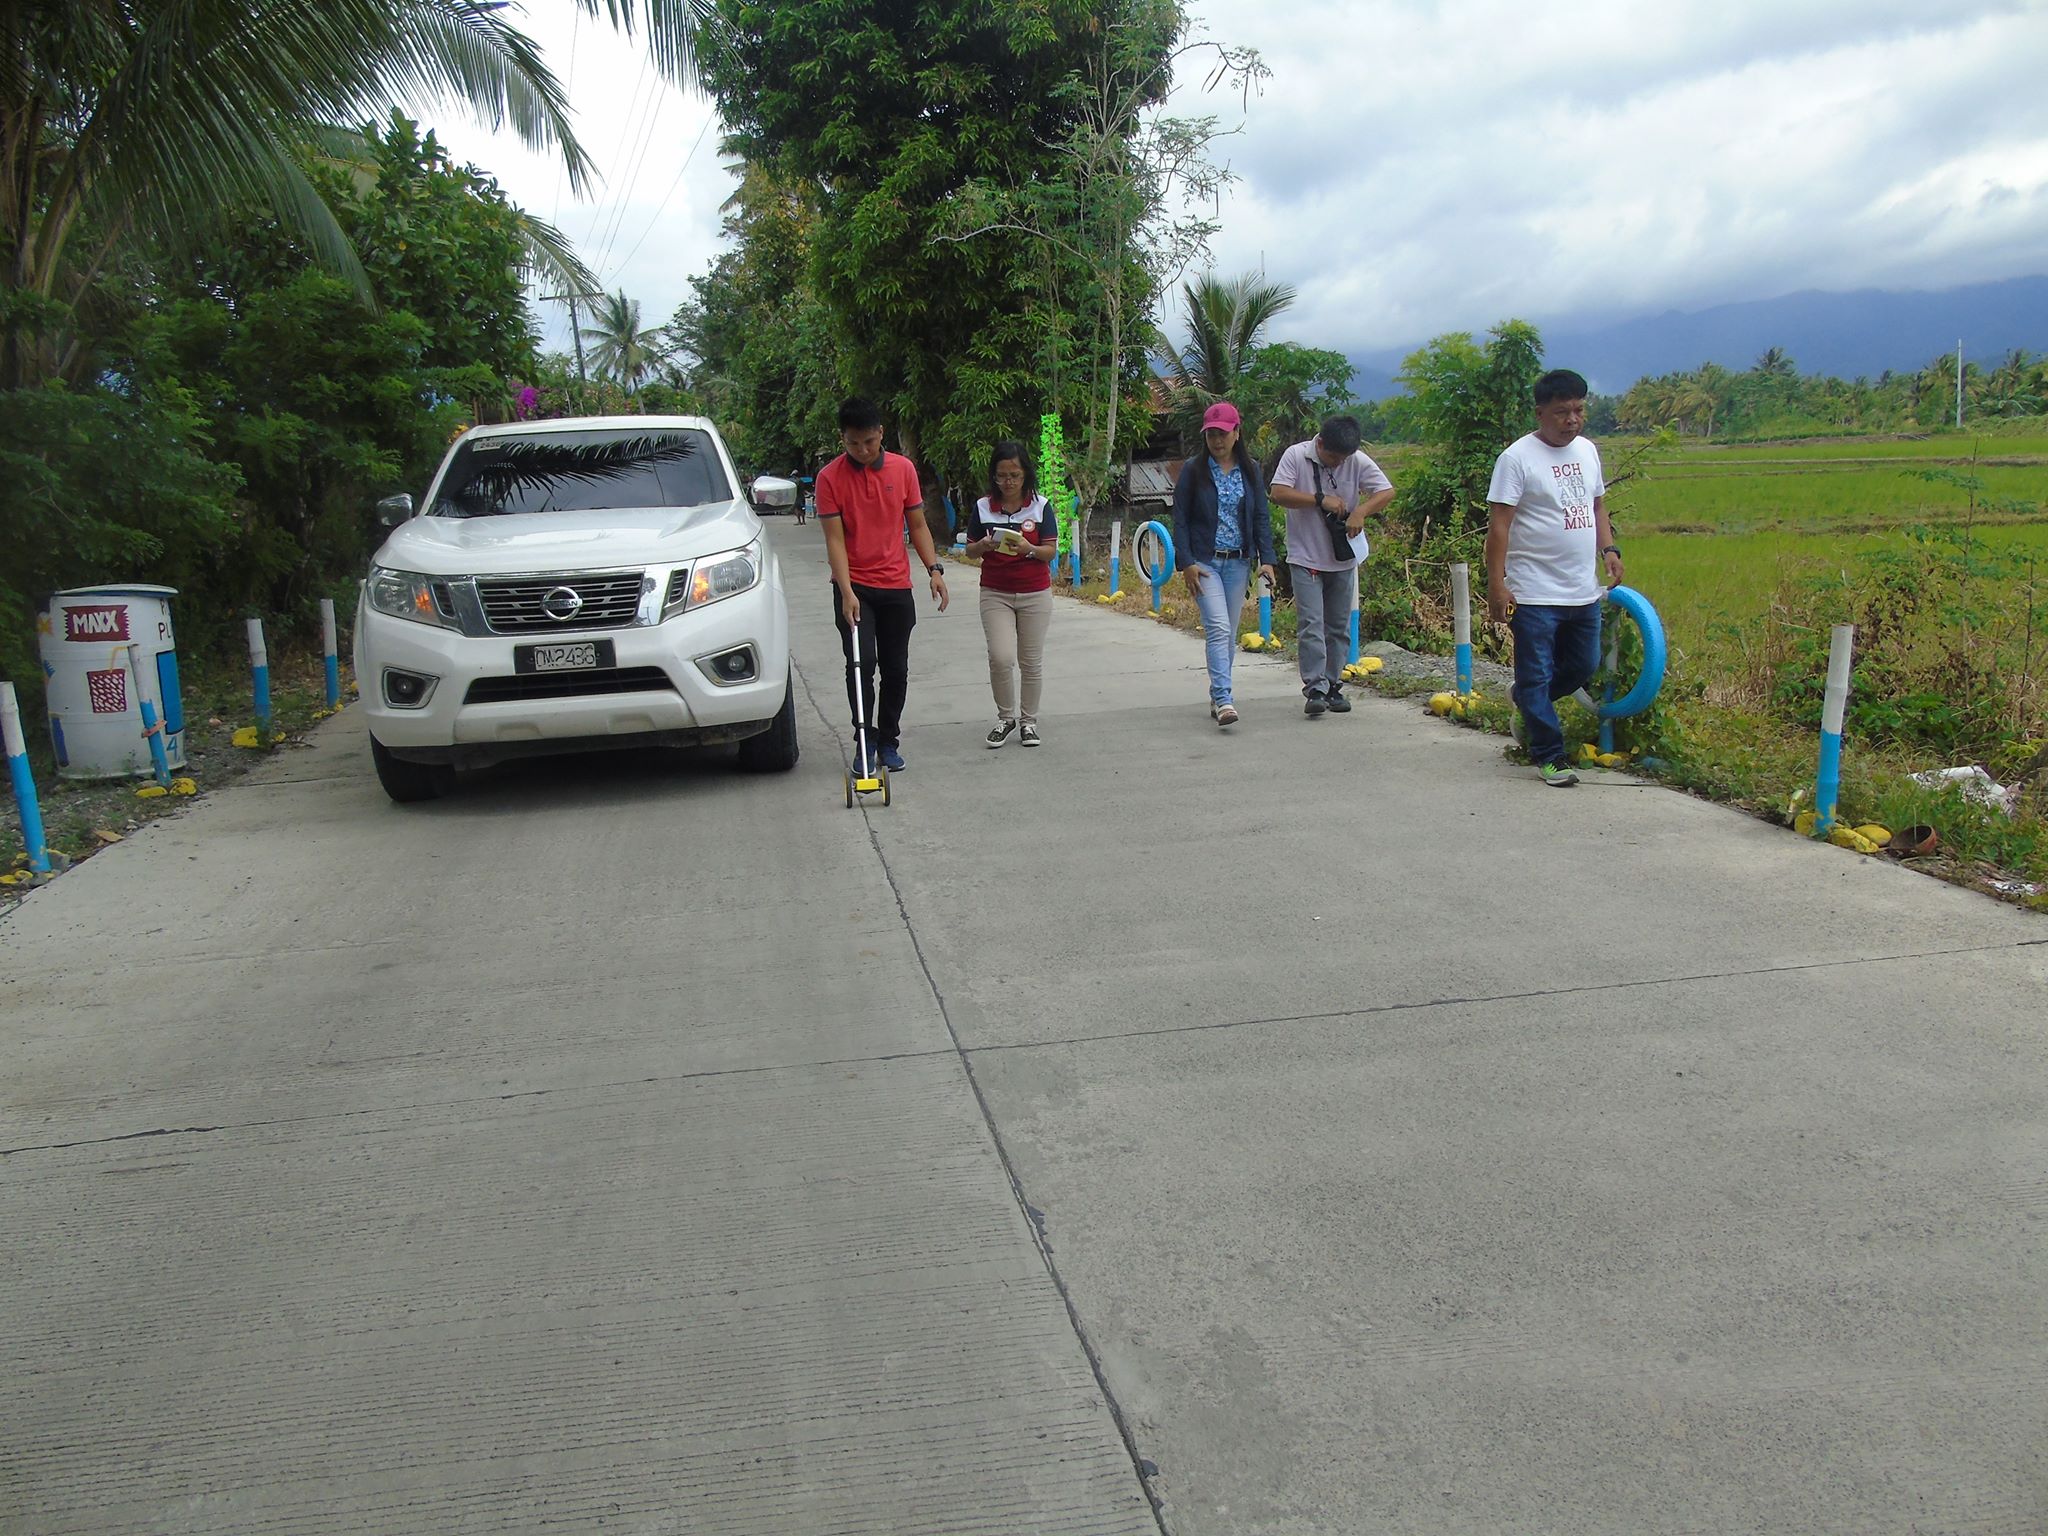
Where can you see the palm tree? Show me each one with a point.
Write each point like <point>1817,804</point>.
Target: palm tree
<point>619,349</point>
<point>1775,364</point>
<point>1224,321</point>
<point>135,124</point>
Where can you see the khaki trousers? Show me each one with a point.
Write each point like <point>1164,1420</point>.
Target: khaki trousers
<point>1015,624</point>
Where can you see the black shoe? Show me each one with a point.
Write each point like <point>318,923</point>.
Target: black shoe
<point>1314,705</point>
<point>1338,704</point>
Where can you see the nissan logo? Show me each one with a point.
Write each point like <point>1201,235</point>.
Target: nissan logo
<point>562,604</point>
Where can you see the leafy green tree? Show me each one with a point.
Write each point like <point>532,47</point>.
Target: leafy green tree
<point>94,481</point>
<point>1467,402</point>
<point>444,243</point>
<point>757,340</point>
<point>886,112</point>
<point>1118,223</point>
<point>1286,391</point>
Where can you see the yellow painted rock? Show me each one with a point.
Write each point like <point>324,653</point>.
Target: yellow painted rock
<point>1440,703</point>
<point>1879,835</point>
<point>1371,663</point>
<point>1850,838</point>
<point>151,792</point>
<point>1805,822</point>
<point>1252,640</point>
<point>184,787</point>
<point>248,736</point>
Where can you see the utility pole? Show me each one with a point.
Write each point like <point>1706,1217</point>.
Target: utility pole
<point>575,329</point>
<point>1959,384</point>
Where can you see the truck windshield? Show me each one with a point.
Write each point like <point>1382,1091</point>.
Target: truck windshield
<point>581,471</point>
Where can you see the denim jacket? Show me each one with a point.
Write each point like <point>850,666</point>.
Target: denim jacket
<point>1194,513</point>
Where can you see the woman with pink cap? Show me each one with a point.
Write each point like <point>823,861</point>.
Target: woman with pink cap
<point>1220,529</point>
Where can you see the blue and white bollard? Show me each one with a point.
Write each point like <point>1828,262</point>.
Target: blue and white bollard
<point>1116,557</point>
<point>259,666</point>
<point>152,727</point>
<point>1827,787</point>
<point>330,652</point>
<point>1461,624</point>
<point>25,803</point>
<point>1265,608</point>
<point>1353,661</point>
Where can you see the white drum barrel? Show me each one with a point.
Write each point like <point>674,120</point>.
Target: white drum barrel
<point>95,713</point>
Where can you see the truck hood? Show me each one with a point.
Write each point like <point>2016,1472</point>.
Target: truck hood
<point>567,541</point>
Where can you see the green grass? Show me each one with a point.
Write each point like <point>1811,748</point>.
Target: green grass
<point>1818,496</point>
<point>1705,585</point>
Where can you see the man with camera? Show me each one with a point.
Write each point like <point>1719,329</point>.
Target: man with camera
<point>1329,488</point>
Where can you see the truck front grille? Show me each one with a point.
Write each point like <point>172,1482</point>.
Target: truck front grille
<point>524,605</point>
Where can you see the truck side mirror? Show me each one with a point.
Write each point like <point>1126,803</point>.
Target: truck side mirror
<point>393,510</point>
<point>772,492</point>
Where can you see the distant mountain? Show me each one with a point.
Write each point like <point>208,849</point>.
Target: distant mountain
<point>1844,334</point>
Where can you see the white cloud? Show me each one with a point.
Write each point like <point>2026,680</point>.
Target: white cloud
<point>1417,166</point>
<point>1421,168</point>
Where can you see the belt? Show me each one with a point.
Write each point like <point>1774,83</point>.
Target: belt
<point>1229,554</point>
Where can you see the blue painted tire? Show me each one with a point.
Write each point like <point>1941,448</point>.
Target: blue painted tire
<point>1655,654</point>
<point>1138,552</point>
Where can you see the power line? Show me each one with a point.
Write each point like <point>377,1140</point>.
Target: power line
<point>569,94</point>
<point>619,154</point>
<point>662,207</point>
<point>639,163</point>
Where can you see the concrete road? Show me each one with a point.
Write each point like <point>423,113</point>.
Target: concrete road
<point>1321,1127</point>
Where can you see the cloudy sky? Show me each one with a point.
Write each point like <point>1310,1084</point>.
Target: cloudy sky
<point>1418,166</point>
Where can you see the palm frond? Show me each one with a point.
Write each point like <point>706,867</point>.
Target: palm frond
<point>175,112</point>
<point>551,257</point>
<point>676,30</point>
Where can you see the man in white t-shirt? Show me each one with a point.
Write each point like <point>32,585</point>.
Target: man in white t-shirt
<point>1547,545</point>
<point>1326,478</point>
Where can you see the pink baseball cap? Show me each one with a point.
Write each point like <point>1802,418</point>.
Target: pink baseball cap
<point>1222,414</point>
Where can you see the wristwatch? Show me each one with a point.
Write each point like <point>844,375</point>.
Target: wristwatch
<point>1610,549</point>
<point>937,570</point>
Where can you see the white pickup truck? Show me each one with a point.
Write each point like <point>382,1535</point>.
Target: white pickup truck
<point>575,584</point>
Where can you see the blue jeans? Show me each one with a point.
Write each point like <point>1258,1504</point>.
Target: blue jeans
<point>1221,600</point>
<point>1557,651</point>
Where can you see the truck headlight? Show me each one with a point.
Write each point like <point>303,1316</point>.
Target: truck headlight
<point>713,578</point>
<point>405,595</point>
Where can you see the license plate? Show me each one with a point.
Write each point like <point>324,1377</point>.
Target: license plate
<point>565,656</point>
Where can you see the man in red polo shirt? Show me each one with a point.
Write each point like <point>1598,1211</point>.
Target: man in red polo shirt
<point>866,499</point>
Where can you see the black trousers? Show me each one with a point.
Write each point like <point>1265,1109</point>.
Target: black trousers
<point>887,616</point>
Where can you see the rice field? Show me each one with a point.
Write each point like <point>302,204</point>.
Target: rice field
<point>1713,534</point>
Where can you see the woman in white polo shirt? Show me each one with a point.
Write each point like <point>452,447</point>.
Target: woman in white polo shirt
<point>1014,531</point>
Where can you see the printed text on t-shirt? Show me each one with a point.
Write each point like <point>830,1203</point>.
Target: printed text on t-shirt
<point>1578,513</point>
